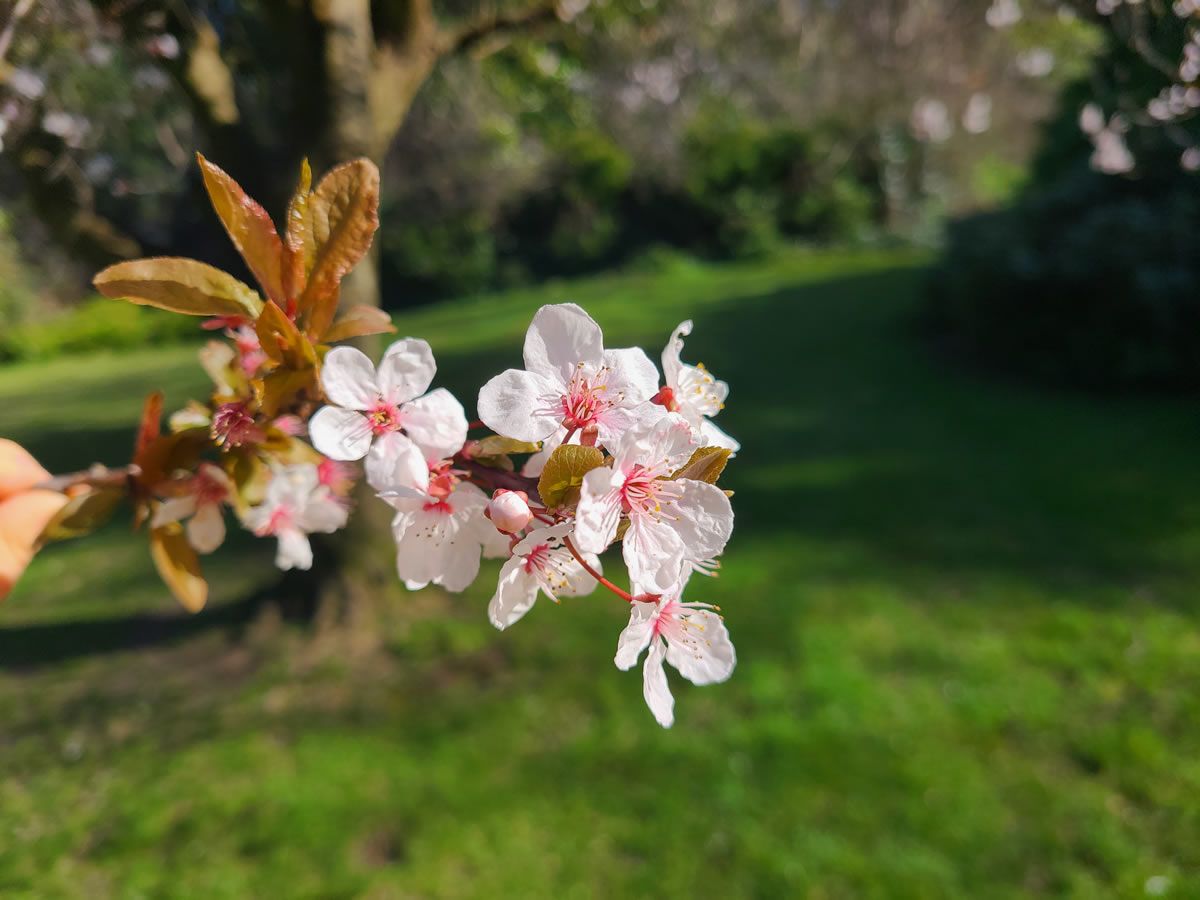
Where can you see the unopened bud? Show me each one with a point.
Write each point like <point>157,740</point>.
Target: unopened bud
<point>509,510</point>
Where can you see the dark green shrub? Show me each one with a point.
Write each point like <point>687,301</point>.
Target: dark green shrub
<point>1095,281</point>
<point>759,182</point>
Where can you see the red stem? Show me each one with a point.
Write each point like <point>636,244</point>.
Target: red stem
<point>620,592</point>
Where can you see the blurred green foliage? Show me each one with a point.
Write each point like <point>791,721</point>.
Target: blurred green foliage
<point>97,324</point>
<point>1087,278</point>
<point>745,187</point>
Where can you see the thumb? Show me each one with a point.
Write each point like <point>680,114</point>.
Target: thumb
<point>22,519</point>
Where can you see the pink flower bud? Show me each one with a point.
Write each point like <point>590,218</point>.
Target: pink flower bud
<point>509,510</point>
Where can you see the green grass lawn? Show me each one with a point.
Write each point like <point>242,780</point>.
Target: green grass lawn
<point>966,617</point>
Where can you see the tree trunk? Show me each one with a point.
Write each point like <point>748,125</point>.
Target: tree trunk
<point>358,565</point>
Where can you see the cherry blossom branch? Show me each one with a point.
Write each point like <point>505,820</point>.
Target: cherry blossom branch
<point>489,479</point>
<point>620,592</point>
<point>97,476</point>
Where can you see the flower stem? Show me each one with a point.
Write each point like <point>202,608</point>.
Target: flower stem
<point>96,476</point>
<point>620,592</point>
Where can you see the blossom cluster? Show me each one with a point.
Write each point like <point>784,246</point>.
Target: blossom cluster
<point>636,433</point>
<point>582,448</point>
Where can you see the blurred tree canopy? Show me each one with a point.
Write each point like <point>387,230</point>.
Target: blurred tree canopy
<point>526,137</point>
<point>1091,276</point>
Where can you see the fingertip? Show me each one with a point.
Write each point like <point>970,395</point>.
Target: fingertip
<point>22,520</point>
<point>19,471</point>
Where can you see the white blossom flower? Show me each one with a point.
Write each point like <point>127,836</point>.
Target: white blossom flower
<point>570,383</point>
<point>439,527</point>
<point>296,505</point>
<point>977,116</point>
<point>200,503</point>
<point>1037,62</point>
<point>1112,155</point>
<point>693,392</point>
<point>1003,13</point>
<point>540,562</point>
<point>690,636</point>
<point>373,409</point>
<point>930,121</point>
<point>672,524</point>
<point>1091,119</point>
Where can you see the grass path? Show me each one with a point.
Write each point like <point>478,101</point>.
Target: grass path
<point>965,611</point>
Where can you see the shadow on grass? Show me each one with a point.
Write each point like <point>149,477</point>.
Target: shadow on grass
<point>853,437</point>
<point>25,647</point>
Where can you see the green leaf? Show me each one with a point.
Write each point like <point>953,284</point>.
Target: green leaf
<point>249,227</point>
<point>358,321</point>
<point>706,464</point>
<point>82,514</point>
<point>343,214</point>
<point>178,566</point>
<point>563,474</point>
<point>178,285</point>
<point>299,246</point>
<point>497,445</point>
<point>282,341</point>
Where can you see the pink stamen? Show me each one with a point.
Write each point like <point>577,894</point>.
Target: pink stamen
<point>537,559</point>
<point>586,399</point>
<point>383,417</point>
<point>233,426</point>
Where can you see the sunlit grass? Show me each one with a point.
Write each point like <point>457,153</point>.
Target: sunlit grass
<point>965,615</point>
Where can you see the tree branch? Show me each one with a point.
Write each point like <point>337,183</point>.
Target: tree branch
<point>490,23</point>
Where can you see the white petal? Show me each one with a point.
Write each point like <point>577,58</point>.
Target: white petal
<point>655,688</point>
<point>515,594</point>
<point>560,337</point>
<point>462,566</point>
<point>653,553</point>
<point>406,370</point>
<point>613,424</point>
<point>667,441</point>
<point>699,392</point>
<point>495,542</point>
<point>550,534</point>
<point>292,484</point>
<point>715,437</point>
<point>396,462</point>
<point>419,546</point>
<point>635,636</point>
<point>436,423</point>
<point>631,374</point>
<point>514,404</point>
<point>599,510</point>
<point>206,529</point>
<point>294,551</point>
<point>348,377</point>
<point>173,509</point>
<point>704,654</point>
<point>579,582</point>
<point>703,518</point>
<point>670,355</point>
<point>672,440</point>
<point>341,434</point>
<point>322,514</point>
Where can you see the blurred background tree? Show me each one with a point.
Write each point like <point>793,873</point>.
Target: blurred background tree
<point>603,129</point>
<point>1092,276</point>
